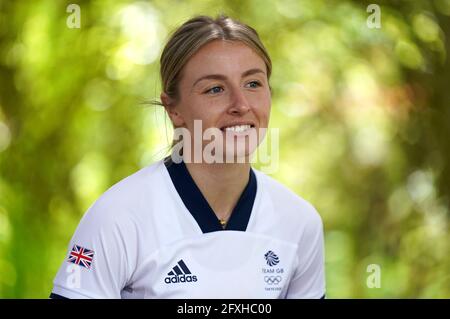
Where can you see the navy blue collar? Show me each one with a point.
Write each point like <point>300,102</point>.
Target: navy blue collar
<point>198,206</point>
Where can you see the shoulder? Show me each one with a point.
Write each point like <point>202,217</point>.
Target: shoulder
<point>123,200</point>
<point>289,205</point>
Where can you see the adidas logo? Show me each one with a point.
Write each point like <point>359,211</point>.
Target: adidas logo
<point>180,273</point>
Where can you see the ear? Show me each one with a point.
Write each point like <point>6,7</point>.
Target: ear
<point>171,109</point>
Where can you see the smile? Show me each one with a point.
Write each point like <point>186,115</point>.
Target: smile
<point>237,128</point>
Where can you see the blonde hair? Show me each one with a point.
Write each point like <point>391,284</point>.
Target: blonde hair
<point>192,35</point>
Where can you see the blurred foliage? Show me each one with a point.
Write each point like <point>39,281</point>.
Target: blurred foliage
<point>364,116</point>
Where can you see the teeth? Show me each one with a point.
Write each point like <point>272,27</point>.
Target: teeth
<point>238,128</point>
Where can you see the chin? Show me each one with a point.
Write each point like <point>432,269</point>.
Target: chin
<point>239,152</point>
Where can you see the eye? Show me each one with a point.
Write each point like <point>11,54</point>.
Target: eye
<point>214,90</point>
<point>254,84</point>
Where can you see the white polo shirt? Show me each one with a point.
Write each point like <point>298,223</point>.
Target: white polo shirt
<point>153,235</point>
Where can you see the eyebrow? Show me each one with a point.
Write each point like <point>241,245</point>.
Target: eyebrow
<point>223,77</point>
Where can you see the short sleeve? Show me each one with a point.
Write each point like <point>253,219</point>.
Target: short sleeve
<point>95,265</point>
<point>308,281</point>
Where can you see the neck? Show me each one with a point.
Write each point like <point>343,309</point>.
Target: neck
<point>220,184</point>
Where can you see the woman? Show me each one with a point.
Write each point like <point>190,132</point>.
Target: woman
<point>190,227</point>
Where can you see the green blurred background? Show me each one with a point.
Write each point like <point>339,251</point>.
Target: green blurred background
<point>364,115</point>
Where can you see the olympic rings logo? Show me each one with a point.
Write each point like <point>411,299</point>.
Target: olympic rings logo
<point>272,280</point>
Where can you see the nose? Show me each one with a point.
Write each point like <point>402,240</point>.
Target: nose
<point>239,104</point>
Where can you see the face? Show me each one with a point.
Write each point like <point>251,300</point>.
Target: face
<point>224,85</point>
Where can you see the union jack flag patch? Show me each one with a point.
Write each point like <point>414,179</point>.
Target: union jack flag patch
<point>81,256</point>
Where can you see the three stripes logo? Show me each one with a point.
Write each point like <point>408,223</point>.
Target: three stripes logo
<point>180,273</point>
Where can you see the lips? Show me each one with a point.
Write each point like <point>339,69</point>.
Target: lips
<point>237,127</point>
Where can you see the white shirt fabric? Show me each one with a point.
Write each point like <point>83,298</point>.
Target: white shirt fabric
<point>145,243</point>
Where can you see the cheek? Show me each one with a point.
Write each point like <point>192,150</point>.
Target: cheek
<point>262,109</point>
<point>265,114</point>
<point>207,112</point>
